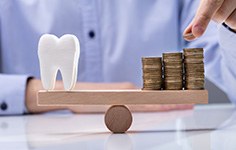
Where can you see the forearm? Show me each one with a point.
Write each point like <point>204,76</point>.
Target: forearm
<point>33,86</point>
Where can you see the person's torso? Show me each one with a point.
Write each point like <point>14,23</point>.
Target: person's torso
<point>114,35</point>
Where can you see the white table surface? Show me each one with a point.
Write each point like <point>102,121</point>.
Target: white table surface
<point>205,127</point>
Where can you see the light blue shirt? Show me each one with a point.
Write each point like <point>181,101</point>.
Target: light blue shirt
<point>114,35</point>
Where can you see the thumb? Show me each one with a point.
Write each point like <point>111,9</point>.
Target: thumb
<point>200,24</point>
<point>188,35</point>
<point>205,12</point>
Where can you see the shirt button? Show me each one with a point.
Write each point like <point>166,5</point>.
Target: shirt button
<point>91,34</point>
<point>4,106</point>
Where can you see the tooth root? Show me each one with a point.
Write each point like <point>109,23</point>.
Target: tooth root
<point>48,77</point>
<point>69,66</point>
<point>47,71</point>
<point>68,77</point>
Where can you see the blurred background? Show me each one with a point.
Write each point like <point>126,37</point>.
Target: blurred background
<point>215,94</point>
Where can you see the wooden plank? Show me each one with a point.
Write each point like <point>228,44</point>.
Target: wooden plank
<point>122,97</point>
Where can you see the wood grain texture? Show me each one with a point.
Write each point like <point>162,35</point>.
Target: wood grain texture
<point>122,97</point>
<point>118,119</point>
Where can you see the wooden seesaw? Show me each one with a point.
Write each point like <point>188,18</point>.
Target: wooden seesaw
<point>118,117</point>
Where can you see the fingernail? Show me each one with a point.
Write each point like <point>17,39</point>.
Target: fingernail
<point>188,35</point>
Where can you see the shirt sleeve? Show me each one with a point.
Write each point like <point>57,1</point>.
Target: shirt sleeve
<point>12,94</point>
<point>227,41</point>
<point>219,51</point>
<point>12,88</point>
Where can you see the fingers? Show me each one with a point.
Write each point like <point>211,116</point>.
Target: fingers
<point>231,20</point>
<point>188,35</point>
<point>205,12</point>
<point>225,10</point>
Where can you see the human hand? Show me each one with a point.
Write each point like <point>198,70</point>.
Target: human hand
<point>217,10</point>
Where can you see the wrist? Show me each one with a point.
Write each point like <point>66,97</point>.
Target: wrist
<point>31,97</point>
<point>33,86</point>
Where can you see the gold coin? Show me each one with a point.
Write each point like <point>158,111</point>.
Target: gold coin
<point>174,78</point>
<point>153,72</point>
<point>174,61</point>
<point>193,69</point>
<point>152,76</point>
<point>173,81</point>
<point>194,61</point>
<point>194,81</point>
<point>146,81</point>
<point>173,70</point>
<point>177,55</point>
<point>155,66</point>
<point>173,86</point>
<point>193,51</point>
<point>152,69</point>
<point>194,56</point>
<point>173,75</point>
<point>152,87</point>
<point>173,65</point>
<point>194,86</point>
<point>197,74</point>
<point>151,60</point>
<point>152,84</point>
<point>194,65</point>
<point>195,78</point>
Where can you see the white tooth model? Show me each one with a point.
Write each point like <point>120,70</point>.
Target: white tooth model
<point>58,54</point>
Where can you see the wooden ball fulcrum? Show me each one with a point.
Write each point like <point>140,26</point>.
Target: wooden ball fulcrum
<point>118,119</point>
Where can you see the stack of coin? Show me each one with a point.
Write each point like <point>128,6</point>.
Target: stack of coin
<point>152,73</point>
<point>173,71</point>
<point>194,69</point>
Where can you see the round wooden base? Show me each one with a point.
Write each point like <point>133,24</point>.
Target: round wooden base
<point>118,119</point>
